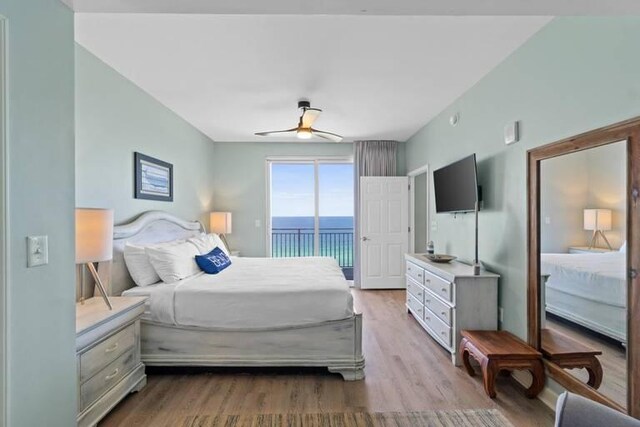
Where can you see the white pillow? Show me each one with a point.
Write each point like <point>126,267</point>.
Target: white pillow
<point>623,248</point>
<point>207,242</point>
<point>139,266</point>
<point>174,262</point>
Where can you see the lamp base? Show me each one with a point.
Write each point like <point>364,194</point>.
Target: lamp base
<point>96,277</point>
<point>594,240</point>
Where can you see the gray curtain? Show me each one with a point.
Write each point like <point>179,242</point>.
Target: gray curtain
<point>371,158</point>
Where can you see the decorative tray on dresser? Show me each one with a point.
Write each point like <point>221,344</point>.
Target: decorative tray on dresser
<point>447,298</point>
<point>107,355</point>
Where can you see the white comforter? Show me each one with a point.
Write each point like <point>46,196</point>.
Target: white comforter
<point>598,277</point>
<point>254,293</point>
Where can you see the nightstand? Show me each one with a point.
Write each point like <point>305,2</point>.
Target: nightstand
<point>586,250</point>
<point>107,355</point>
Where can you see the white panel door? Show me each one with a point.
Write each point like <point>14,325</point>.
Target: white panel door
<point>384,231</point>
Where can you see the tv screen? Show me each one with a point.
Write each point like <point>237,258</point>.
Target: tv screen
<point>456,186</point>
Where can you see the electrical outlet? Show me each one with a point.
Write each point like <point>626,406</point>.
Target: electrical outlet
<point>500,314</point>
<point>434,226</point>
<point>37,251</point>
<point>258,223</point>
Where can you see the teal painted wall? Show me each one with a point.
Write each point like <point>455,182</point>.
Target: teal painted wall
<point>115,118</point>
<point>41,311</point>
<point>576,74</point>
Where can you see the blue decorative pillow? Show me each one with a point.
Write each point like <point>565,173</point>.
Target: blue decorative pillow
<point>213,262</point>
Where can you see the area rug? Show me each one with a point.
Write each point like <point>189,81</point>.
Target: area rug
<point>460,418</point>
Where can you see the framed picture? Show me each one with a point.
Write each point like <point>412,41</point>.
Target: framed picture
<point>154,178</point>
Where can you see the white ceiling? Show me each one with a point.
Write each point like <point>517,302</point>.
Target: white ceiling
<point>376,77</point>
<point>357,7</point>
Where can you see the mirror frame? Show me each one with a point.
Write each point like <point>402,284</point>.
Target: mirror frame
<point>629,131</point>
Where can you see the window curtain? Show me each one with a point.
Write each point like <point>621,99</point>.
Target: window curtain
<point>371,158</point>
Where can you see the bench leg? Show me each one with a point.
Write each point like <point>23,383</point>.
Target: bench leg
<point>489,373</point>
<point>465,358</point>
<point>595,372</point>
<point>537,372</point>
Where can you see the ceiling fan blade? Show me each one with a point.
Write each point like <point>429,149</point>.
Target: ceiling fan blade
<point>276,132</point>
<point>309,117</point>
<point>326,135</point>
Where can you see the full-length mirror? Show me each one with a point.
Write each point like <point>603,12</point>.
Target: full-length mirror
<point>583,262</point>
<point>583,266</point>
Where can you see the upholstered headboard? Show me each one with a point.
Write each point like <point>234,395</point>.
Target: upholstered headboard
<point>150,227</point>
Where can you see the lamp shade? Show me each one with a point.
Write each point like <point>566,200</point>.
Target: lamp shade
<point>220,222</point>
<point>94,235</point>
<point>597,219</point>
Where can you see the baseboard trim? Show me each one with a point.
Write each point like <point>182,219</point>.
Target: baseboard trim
<point>546,396</point>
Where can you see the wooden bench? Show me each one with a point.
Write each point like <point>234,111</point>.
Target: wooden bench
<point>569,353</point>
<point>501,351</point>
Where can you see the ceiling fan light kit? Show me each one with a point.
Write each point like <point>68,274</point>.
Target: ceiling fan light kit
<point>304,130</point>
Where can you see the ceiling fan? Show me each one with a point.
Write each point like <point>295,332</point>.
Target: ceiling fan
<point>304,130</point>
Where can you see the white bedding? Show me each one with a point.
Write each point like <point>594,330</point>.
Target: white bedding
<point>596,277</point>
<point>253,293</point>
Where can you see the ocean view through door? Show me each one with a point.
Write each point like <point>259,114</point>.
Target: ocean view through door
<point>311,210</point>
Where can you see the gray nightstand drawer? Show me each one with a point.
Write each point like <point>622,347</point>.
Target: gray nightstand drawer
<point>108,350</point>
<point>440,309</point>
<point>105,379</point>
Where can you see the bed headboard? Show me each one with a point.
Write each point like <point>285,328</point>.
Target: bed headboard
<point>150,227</point>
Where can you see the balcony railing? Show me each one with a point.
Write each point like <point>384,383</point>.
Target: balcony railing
<point>297,242</point>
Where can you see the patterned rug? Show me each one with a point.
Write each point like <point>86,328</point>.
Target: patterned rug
<point>461,418</point>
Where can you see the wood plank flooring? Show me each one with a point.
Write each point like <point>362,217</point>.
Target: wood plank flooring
<point>613,360</point>
<point>406,371</point>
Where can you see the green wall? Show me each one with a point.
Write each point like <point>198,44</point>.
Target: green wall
<point>41,312</point>
<point>576,74</point>
<point>115,118</point>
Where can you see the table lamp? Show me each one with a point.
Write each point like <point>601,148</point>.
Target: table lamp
<point>94,241</point>
<point>220,223</point>
<point>597,220</point>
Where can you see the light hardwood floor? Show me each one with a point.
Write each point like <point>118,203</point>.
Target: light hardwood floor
<point>406,371</point>
<point>613,360</point>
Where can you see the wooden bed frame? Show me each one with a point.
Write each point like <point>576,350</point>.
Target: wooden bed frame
<point>336,344</point>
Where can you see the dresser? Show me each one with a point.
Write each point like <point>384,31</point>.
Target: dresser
<point>107,355</point>
<point>447,298</point>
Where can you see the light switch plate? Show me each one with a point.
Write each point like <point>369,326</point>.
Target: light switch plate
<point>37,251</point>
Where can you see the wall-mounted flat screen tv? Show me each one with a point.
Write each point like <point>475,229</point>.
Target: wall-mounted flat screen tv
<point>456,186</point>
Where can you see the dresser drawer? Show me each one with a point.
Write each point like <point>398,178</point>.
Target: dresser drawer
<point>439,286</point>
<point>108,350</point>
<point>102,382</point>
<point>437,326</point>
<point>415,290</point>
<point>415,306</point>
<point>439,308</point>
<point>415,272</point>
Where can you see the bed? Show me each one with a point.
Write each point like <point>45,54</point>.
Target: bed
<point>588,289</point>
<point>257,312</point>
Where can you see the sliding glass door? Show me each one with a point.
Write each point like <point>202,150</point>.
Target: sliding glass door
<point>311,209</point>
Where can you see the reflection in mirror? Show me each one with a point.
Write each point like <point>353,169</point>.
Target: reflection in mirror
<point>583,265</point>
<point>420,212</point>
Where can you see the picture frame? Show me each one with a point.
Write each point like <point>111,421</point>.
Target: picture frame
<point>153,178</point>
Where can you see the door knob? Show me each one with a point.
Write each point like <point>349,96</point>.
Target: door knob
<point>365,238</point>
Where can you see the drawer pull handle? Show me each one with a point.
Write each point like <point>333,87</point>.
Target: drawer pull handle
<point>428,318</point>
<point>112,375</point>
<point>444,289</point>
<point>443,334</point>
<point>428,280</point>
<point>428,301</point>
<point>442,312</point>
<point>112,348</point>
